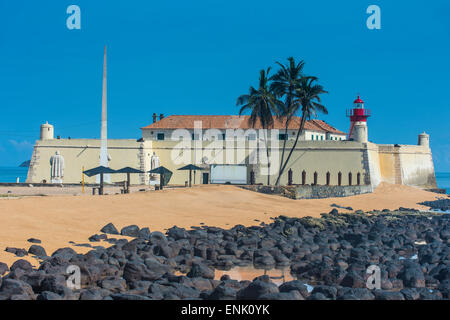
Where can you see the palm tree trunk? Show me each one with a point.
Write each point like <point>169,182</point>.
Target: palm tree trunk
<point>300,130</point>
<point>268,157</point>
<point>282,153</point>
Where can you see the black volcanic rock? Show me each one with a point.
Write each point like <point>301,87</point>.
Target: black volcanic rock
<point>21,264</point>
<point>110,229</point>
<point>19,252</point>
<point>33,240</point>
<point>37,251</point>
<point>441,204</point>
<point>130,231</point>
<point>332,253</point>
<point>201,270</point>
<point>3,268</point>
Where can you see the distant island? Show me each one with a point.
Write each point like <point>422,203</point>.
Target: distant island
<point>25,164</point>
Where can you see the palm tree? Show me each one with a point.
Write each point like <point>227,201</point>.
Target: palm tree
<point>308,96</point>
<point>285,83</point>
<point>262,103</point>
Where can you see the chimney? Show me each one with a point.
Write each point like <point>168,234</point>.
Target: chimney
<point>161,116</point>
<point>155,118</point>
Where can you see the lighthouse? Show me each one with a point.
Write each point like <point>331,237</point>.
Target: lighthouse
<point>358,121</point>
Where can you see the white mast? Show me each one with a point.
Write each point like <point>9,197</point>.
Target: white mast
<point>104,133</point>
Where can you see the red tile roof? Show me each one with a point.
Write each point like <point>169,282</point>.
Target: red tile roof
<point>235,122</point>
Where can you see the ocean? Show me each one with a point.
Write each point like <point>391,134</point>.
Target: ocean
<point>443,180</point>
<point>10,174</point>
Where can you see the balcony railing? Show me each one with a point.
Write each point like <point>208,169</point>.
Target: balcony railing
<point>358,112</point>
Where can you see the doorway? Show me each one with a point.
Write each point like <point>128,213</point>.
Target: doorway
<point>205,177</point>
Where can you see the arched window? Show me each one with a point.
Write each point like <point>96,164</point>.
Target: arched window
<point>328,178</point>
<point>315,178</point>
<point>290,177</point>
<point>303,177</point>
<point>358,179</point>
<point>349,178</point>
<point>339,178</point>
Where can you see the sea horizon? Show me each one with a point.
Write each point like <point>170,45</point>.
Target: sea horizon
<point>10,174</point>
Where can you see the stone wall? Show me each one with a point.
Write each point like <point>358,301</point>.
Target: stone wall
<point>401,164</point>
<point>319,192</point>
<point>79,153</point>
<point>324,160</point>
<point>311,191</point>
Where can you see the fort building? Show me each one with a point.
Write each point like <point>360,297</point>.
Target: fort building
<point>230,150</point>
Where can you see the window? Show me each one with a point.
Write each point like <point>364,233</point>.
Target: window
<point>321,137</point>
<point>282,136</point>
<point>195,136</point>
<point>312,137</point>
<point>224,136</point>
<point>251,137</point>
<point>160,136</point>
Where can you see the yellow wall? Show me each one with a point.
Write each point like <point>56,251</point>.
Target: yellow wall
<point>387,163</point>
<point>411,165</point>
<point>79,153</point>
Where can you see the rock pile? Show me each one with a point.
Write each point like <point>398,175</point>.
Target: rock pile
<point>331,253</point>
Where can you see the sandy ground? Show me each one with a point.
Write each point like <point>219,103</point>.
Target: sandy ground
<point>58,219</point>
<point>56,190</point>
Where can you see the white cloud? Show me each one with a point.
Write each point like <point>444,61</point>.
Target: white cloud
<point>21,145</point>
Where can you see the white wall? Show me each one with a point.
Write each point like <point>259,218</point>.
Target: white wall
<point>151,134</point>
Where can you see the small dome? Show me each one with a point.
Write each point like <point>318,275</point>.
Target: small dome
<point>358,100</point>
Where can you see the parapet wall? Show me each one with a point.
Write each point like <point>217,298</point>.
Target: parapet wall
<point>417,167</point>
<point>79,153</point>
<point>401,164</point>
<point>337,163</point>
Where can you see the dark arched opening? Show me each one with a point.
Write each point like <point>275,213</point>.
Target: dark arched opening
<point>252,177</point>
<point>290,174</point>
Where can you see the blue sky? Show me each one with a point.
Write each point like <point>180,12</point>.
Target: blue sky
<point>197,57</point>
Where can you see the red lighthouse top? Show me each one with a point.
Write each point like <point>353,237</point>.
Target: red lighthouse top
<point>357,114</point>
<point>358,101</point>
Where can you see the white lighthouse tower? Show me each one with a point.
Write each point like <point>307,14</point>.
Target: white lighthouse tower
<point>358,121</point>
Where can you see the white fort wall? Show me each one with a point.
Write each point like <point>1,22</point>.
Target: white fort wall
<point>402,164</point>
<point>372,162</point>
<point>79,153</point>
<point>410,165</point>
<point>417,167</point>
<point>335,157</point>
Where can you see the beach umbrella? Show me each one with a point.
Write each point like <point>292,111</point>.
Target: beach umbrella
<point>128,171</point>
<point>190,167</point>
<point>98,170</point>
<point>165,174</point>
<point>101,170</point>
